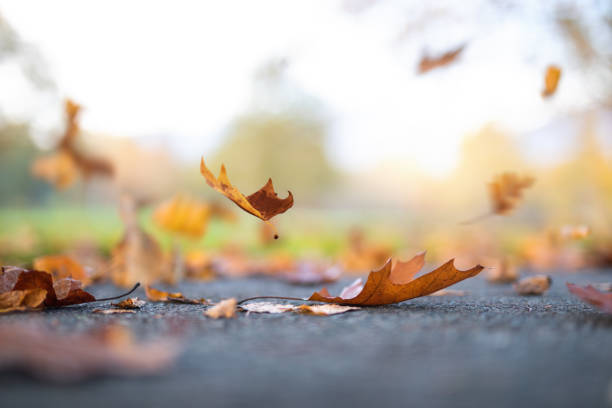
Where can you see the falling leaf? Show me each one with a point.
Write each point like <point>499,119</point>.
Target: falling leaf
<point>129,303</point>
<point>63,167</point>
<point>113,311</point>
<point>428,63</point>
<point>592,296</point>
<point>263,204</point>
<point>156,295</point>
<point>533,285</point>
<point>73,357</point>
<point>396,283</point>
<point>318,310</point>
<point>226,309</point>
<point>502,272</point>
<point>28,286</point>
<point>183,215</point>
<point>506,191</point>
<point>551,80</point>
<point>137,257</point>
<point>60,267</point>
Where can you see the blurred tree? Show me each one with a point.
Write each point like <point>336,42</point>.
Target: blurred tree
<point>281,136</point>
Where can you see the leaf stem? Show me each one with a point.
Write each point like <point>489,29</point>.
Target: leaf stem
<point>118,296</point>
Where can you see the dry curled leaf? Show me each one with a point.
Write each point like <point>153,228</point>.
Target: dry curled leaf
<point>318,310</point>
<point>156,295</point>
<point>592,296</point>
<point>129,303</point>
<point>551,80</point>
<point>533,285</point>
<point>506,191</point>
<point>22,289</point>
<point>428,63</point>
<point>396,283</point>
<point>226,309</point>
<point>65,358</point>
<point>63,167</point>
<point>60,267</point>
<point>183,215</point>
<point>264,203</point>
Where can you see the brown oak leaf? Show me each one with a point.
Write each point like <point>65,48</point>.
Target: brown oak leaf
<point>264,203</point>
<point>397,283</point>
<point>592,296</point>
<point>551,80</point>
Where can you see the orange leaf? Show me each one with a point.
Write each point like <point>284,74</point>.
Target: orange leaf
<point>263,204</point>
<point>393,284</point>
<point>551,80</point>
<point>506,190</point>
<point>60,267</point>
<point>592,296</point>
<point>156,295</point>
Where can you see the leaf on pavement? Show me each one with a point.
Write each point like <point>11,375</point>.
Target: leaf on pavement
<point>396,283</point>
<point>74,357</point>
<point>533,285</point>
<point>129,303</point>
<point>318,310</point>
<point>156,295</point>
<point>113,311</point>
<point>226,309</point>
<point>592,296</point>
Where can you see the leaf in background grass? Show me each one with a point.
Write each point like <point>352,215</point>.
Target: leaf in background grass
<point>63,167</point>
<point>183,215</point>
<point>60,267</point>
<point>74,357</point>
<point>428,63</point>
<point>396,283</point>
<point>137,257</point>
<point>264,203</point>
<point>225,309</point>
<point>22,289</point>
<point>506,191</point>
<point>592,296</point>
<point>551,80</point>
<point>533,285</point>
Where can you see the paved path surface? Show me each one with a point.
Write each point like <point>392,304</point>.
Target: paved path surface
<point>488,348</point>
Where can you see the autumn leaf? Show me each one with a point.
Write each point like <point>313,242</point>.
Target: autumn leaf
<point>183,215</point>
<point>317,310</point>
<point>428,63</point>
<point>22,289</point>
<point>137,257</point>
<point>533,285</point>
<point>156,295</point>
<point>506,191</point>
<point>264,203</point>
<point>73,357</point>
<point>551,80</point>
<point>224,309</point>
<point>396,283</point>
<point>63,167</point>
<point>60,267</point>
<point>592,296</point>
<point>129,303</point>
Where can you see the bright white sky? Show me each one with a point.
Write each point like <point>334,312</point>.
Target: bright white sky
<point>184,69</point>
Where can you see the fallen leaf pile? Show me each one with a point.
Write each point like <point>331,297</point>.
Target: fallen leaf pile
<point>264,203</point>
<point>533,285</point>
<point>64,166</point>
<point>592,296</point>
<point>317,310</point>
<point>551,80</point>
<point>397,283</point>
<point>73,357</point>
<point>23,289</point>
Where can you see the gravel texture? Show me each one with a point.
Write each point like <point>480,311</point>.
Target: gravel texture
<point>490,347</point>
